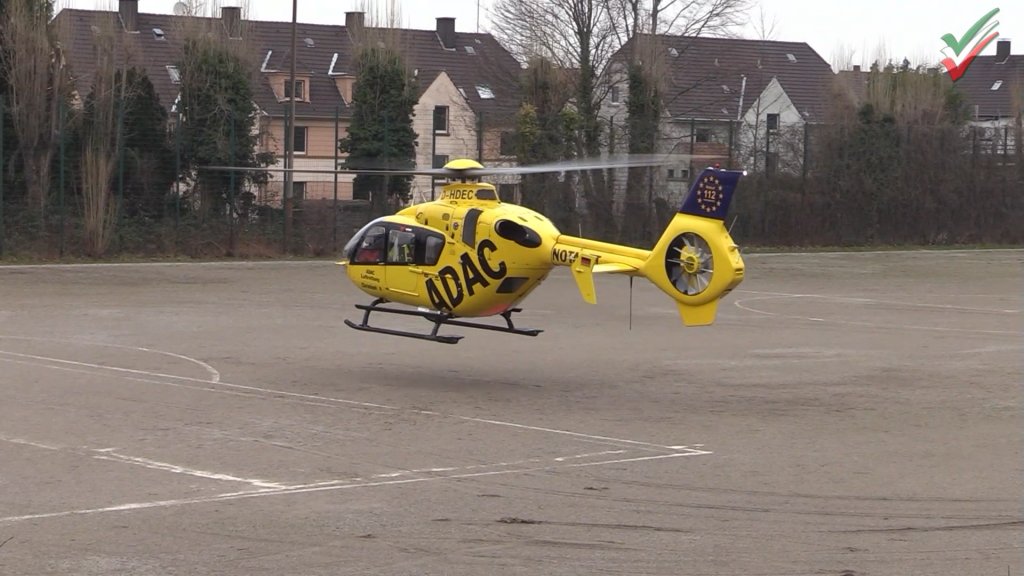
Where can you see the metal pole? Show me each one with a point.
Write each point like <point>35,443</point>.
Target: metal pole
<point>334,210</point>
<point>480,138</point>
<point>433,154</point>
<point>3,114</point>
<point>231,193</point>
<point>289,140</point>
<point>177,174</point>
<point>63,119</point>
<point>120,160</point>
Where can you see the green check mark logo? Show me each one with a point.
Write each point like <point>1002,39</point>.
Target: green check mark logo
<point>958,45</point>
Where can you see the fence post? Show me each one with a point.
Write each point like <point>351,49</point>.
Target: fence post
<point>231,191</point>
<point>334,209</point>
<point>177,175</point>
<point>120,163</point>
<point>807,140</point>
<point>3,114</point>
<point>63,138</point>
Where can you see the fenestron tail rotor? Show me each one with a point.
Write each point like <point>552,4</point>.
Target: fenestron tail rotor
<point>690,263</point>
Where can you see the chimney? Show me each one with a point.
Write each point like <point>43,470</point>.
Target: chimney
<point>856,67</point>
<point>355,21</point>
<point>1002,51</point>
<point>232,18</point>
<point>129,12</point>
<point>446,32</point>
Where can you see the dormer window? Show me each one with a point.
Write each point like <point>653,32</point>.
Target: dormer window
<point>470,50</point>
<point>996,85</point>
<point>175,74</point>
<point>300,90</point>
<point>791,58</point>
<point>158,34</point>
<point>485,92</point>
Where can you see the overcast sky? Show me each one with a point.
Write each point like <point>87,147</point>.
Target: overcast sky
<point>906,28</point>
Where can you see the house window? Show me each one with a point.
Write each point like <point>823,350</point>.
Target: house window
<point>440,160</point>
<point>773,121</point>
<point>703,135</point>
<point>508,144</point>
<point>300,89</point>
<point>509,192</point>
<point>441,119</point>
<point>300,136</point>
<point>616,95</point>
<point>298,193</point>
<point>175,74</point>
<point>677,174</point>
<point>485,92</point>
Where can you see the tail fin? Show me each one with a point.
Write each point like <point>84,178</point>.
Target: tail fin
<point>696,262</point>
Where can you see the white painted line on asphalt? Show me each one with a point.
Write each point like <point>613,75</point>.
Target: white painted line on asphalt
<point>164,466</point>
<point>110,454</point>
<point>314,489</point>
<point>743,304</point>
<point>214,374</point>
<point>324,400</point>
<point>877,301</point>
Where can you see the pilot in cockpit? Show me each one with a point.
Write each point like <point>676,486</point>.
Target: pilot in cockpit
<point>371,249</point>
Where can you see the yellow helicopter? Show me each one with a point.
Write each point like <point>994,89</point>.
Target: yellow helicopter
<point>468,254</point>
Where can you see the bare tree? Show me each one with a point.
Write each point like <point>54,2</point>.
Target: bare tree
<point>35,72</point>
<point>101,140</point>
<point>677,17</point>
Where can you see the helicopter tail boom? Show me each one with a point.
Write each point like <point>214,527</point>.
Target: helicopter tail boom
<point>696,262</point>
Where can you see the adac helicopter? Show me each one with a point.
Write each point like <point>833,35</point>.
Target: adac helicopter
<point>468,254</point>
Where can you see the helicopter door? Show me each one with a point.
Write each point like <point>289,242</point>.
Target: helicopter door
<point>410,249</point>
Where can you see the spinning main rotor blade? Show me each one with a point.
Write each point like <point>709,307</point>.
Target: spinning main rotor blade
<point>610,162</point>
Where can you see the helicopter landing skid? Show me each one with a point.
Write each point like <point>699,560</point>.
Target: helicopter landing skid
<point>439,319</point>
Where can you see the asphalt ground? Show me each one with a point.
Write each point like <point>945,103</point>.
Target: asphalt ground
<point>848,414</point>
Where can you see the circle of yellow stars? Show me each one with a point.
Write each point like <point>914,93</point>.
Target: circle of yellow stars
<point>709,194</point>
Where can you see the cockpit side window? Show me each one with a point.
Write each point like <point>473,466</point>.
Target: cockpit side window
<point>401,247</point>
<point>433,244</point>
<point>370,249</point>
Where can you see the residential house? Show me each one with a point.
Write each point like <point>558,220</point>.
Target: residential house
<point>468,84</point>
<point>741,103</point>
<point>993,88</point>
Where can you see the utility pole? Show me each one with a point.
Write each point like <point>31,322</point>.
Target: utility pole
<point>289,142</point>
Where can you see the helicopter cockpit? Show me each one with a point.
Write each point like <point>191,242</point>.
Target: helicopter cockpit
<point>384,241</point>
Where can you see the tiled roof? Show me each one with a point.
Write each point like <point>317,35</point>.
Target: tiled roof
<point>486,63</point>
<point>986,72</point>
<point>704,77</point>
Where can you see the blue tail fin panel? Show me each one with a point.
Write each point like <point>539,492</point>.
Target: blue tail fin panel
<point>711,193</point>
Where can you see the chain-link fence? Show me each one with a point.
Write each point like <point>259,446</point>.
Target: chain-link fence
<point>140,187</point>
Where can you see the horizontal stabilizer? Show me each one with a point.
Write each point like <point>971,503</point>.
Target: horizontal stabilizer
<point>614,268</point>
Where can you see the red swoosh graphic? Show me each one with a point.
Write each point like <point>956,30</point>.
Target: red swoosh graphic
<point>956,71</point>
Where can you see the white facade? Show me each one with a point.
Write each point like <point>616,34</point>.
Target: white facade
<point>458,139</point>
<point>784,142</point>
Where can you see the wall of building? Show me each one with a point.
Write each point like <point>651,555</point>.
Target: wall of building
<point>460,139</point>
<point>319,155</point>
<point>786,142</point>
